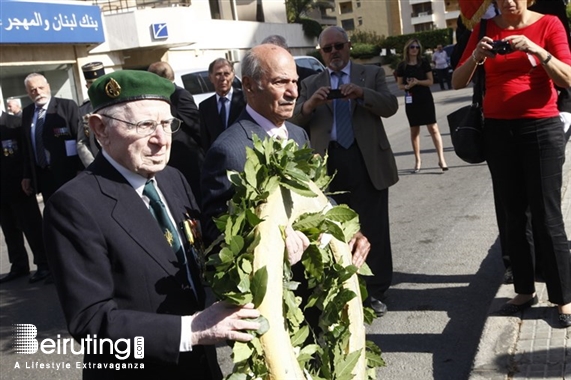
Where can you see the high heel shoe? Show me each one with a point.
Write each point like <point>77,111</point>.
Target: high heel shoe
<point>415,170</point>
<point>444,168</point>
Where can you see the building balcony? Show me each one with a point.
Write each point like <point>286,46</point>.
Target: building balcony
<point>452,15</point>
<point>422,17</point>
<point>118,6</point>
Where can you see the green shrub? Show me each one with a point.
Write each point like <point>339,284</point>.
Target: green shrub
<point>311,28</point>
<point>428,39</point>
<point>364,50</point>
<point>367,37</point>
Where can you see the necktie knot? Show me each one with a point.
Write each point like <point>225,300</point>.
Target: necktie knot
<point>339,75</point>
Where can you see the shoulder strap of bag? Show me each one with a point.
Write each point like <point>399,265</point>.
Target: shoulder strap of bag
<point>480,86</point>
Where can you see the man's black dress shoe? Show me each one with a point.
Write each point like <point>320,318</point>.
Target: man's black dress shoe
<point>511,309</point>
<point>39,275</point>
<point>378,307</point>
<point>12,276</point>
<point>565,320</point>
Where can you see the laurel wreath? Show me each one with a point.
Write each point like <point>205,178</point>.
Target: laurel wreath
<point>240,277</point>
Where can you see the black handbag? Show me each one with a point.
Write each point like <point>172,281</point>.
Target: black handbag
<point>467,123</point>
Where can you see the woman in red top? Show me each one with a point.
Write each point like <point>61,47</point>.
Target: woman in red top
<point>524,141</point>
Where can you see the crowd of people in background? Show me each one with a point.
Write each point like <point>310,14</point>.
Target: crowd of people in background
<point>111,200</point>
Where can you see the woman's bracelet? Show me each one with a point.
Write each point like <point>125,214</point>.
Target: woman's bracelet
<point>476,61</point>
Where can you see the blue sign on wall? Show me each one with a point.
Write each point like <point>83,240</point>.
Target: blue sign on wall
<point>23,22</point>
<point>160,31</point>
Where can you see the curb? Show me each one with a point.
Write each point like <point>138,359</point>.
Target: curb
<point>533,346</point>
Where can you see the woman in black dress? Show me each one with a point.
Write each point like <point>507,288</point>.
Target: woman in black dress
<point>414,76</point>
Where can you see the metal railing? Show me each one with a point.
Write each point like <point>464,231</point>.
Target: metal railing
<point>118,6</point>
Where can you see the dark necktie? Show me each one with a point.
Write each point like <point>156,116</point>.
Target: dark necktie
<point>345,136</point>
<point>41,158</point>
<point>223,110</point>
<point>159,212</point>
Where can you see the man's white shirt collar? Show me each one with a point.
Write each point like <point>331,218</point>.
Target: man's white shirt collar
<point>270,128</point>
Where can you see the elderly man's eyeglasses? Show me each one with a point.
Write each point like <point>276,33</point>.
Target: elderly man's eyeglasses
<point>148,127</point>
<point>329,49</point>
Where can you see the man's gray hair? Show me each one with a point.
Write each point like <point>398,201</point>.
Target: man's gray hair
<point>252,67</point>
<point>276,39</point>
<point>218,61</point>
<point>31,76</point>
<point>337,28</point>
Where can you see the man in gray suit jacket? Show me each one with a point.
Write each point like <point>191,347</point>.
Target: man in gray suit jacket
<point>124,266</point>
<point>351,130</point>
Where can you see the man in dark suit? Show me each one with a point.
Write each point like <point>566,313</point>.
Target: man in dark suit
<point>352,132</point>
<point>186,153</point>
<point>50,133</point>
<point>19,213</point>
<point>124,266</point>
<point>223,108</point>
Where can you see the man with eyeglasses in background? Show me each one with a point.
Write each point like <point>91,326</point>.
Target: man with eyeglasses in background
<point>341,108</point>
<point>123,260</point>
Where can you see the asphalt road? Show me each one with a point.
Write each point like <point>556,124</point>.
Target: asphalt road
<point>447,269</point>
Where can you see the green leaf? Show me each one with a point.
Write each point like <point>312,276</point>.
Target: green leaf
<point>364,270</point>
<point>300,336</point>
<point>308,221</point>
<point>343,370</point>
<point>335,230</point>
<point>259,285</point>
<point>340,213</point>
<point>241,351</point>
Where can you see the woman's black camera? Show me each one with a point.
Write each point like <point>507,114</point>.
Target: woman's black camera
<point>501,47</point>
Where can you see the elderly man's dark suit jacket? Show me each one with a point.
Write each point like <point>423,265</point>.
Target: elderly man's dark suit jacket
<point>186,153</point>
<point>367,125</point>
<point>229,153</point>
<point>60,125</point>
<point>116,275</point>
<point>210,122</point>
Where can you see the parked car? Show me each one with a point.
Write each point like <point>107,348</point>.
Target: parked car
<point>309,62</point>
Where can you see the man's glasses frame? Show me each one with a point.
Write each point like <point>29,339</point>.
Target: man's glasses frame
<point>148,127</point>
<point>337,46</point>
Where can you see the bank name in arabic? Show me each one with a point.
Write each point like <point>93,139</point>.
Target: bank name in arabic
<point>59,22</point>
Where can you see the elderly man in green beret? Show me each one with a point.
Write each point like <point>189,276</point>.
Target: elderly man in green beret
<point>122,242</point>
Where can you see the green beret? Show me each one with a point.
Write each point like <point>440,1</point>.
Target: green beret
<point>127,86</point>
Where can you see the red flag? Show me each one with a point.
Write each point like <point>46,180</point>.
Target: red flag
<point>472,11</point>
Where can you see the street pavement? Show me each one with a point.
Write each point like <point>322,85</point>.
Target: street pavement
<point>446,287</point>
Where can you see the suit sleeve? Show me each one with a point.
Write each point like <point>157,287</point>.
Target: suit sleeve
<point>73,119</point>
<point>187,111</point>
<point>379,100</point>
<point>216,188</point>
<point>298,118</point>
<point>78,257</point>
<point>205,140</point>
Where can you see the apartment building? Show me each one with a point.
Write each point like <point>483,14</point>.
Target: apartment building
<point>57,37</point>
<point>395,17</point>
